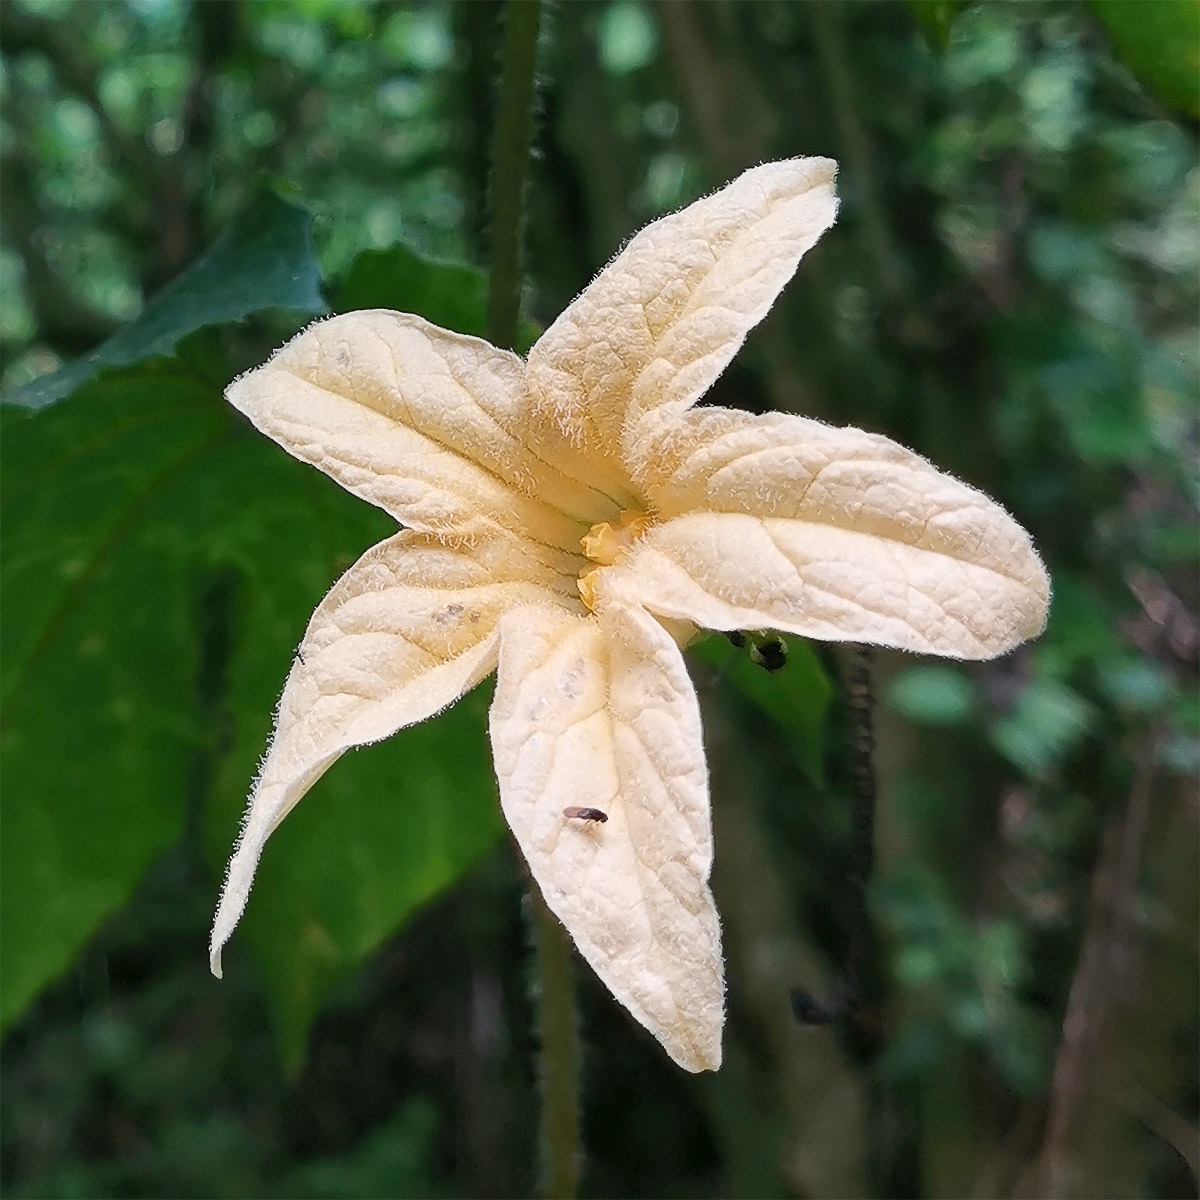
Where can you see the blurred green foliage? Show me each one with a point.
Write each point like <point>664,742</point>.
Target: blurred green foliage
<point>1011,289</point>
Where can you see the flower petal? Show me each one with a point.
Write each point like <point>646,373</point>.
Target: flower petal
<point>782,522</point>
<point>426,424</point>
<point>661,321</point>
<point>406,631</point>
<point>600,713</point>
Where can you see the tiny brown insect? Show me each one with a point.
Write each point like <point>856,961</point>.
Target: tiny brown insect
<point>585,814</point>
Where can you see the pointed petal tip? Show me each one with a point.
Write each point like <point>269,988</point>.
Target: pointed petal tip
<point>229,911</point>
<point>692,1053</point>
<point>710,1059</point>
<point>224,923</point>
<point>811,174</point>
<point>817,168</point>
<point>823,170</point>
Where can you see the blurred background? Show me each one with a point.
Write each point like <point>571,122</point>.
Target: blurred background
<point>1012,290</point>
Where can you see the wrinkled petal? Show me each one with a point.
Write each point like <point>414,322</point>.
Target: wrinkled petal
<point>426,424</point>
<point>600,713</point>
<point>406,631</point>
<point>782,522</point>
<point>661,321</point>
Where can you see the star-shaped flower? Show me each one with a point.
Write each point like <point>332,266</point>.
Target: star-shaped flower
<point>570,520</point>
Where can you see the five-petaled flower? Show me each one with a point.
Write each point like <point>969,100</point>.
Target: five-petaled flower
<point>571,520</point>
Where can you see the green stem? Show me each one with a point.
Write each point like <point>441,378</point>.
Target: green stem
<point>559,1063</point>
<point>511,142</point>
<point>555,984</point>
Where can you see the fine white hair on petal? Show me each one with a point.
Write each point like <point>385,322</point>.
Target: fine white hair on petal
<point>838,534</point>
<point>598,712</point>
<point>406,631</point>
<point>431,426</point>
<point>658,325</point>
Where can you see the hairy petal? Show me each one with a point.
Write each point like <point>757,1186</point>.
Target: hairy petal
<point>782,522</point>
<point>426,424</point>
<point>406,631</point>
<point>600,713</point>
<point>661,321</point>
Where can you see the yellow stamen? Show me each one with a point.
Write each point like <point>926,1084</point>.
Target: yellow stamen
<point>604,543</point>
<point>586,584</point>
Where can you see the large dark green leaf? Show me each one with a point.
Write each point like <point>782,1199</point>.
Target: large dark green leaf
<point>263,260</point>
<point>452,295</point>
<point>1159,41</point>
<point>100,657</point>
<point>160,562</point>
<point>935,18</point>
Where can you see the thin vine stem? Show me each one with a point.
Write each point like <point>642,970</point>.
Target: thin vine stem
<point>512,140</point>
<point>857,969</point>
<point>554,984</point>
<point>560,1143</point>
<point>862,816</point>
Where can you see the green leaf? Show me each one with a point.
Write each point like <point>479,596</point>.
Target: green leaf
<point>932,695</point>
<point>796,697</point>
<point>1135,683</point>
<point>160,562</point>
<point>1160,43</point>
<point>452,295</point>
<point>97,693</point>
<point>934,18</point>
<point>264,260</point>
<point>1050,719</point>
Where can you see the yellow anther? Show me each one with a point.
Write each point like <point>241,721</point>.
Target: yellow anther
<point>586,584</point>
<point>602,543</point>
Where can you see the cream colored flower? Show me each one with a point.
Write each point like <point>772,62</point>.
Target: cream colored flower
<point>571,519</point>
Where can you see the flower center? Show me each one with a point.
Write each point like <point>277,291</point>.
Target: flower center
<point>604,543</point>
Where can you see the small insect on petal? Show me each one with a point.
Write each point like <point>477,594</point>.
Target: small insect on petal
<point>585,814</point>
